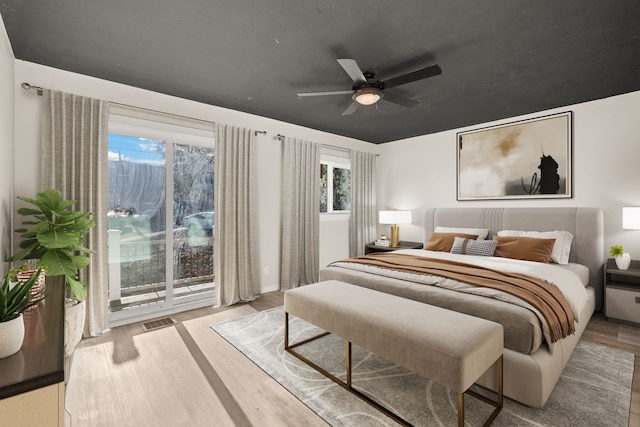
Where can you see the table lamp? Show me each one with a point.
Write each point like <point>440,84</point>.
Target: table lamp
<point>394,218</point>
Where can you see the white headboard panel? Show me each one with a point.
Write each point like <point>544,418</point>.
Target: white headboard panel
<point>586,225</point>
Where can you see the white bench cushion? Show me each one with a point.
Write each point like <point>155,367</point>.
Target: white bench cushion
<point>451,348</point>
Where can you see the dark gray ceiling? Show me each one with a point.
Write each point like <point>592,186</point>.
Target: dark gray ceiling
<point>498,58</point>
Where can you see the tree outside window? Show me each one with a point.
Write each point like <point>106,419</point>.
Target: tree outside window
<point>335,187</point>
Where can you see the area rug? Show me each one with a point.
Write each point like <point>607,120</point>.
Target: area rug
<point>594,389</point>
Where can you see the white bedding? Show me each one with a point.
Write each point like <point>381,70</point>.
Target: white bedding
<point>566,279</point>
<point>582,271</point>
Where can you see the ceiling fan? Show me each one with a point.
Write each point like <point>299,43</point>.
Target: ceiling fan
<point>366,90</point>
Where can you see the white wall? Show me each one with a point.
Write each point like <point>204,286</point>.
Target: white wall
<point>334,228</point>
<point>420,172</point>
<point>6,145</point>
<point>27,133</point>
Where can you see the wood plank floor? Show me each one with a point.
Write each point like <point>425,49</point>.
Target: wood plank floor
<point>186,375</point>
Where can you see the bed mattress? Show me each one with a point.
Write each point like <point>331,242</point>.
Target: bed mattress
<point>525,329</point>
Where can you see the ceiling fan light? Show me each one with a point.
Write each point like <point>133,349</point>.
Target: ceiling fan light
<point>367,96</point>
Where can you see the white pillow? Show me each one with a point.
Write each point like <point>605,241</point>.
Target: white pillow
<point>480,232</point>
<point>561,247</point>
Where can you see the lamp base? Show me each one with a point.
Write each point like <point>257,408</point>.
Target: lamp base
<point>395,236</point>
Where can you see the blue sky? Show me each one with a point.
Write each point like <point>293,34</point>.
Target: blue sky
<point>134,149</point>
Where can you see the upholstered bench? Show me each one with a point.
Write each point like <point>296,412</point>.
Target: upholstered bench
<point>451,348</point>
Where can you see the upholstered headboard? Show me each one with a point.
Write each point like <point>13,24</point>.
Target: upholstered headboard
<point>586,225</point>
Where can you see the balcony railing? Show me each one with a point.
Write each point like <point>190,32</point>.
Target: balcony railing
<point>137,270</point>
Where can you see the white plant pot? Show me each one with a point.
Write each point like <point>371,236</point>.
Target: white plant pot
<point>74,318</point>
<point>11,336</point>
<point>623,261</point>
<point>73,326</point>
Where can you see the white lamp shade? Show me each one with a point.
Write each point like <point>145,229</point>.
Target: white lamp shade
<point>394,217</point>
<point>631,218</point>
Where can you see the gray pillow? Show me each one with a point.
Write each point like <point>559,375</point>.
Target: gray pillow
<point>465,246</point>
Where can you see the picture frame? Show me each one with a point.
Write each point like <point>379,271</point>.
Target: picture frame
<point>526,159</point>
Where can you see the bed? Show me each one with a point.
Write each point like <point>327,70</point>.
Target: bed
<point>532,363</point>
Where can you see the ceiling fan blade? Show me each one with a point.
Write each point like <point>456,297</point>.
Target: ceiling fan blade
<point>400,100</point>
<point>352,68</point>
<point>334,92</point>
<point>423,73</point>
<point>351,109</point>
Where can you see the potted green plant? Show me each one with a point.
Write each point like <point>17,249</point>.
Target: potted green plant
<point>15,298</point>
<point>623,259</point>
<point>54,234</point>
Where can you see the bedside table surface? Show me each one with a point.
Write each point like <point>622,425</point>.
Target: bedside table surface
<point>372,247</point>
<point>631,274</point>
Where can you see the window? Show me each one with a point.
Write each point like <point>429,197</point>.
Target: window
<point>160,217</point>
<point>335,185</point>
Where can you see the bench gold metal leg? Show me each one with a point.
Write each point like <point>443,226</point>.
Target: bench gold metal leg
<point>460,409</point>
<point>498,404</point>
<point>349,364</point>
<point>288,346</point>
<point>286,330</point>
<point>344,384</point>
<point>500,383</point>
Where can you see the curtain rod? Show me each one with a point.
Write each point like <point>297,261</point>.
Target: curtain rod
<point>39,90</point>
<point>334,147</point>
<point>27,86</point>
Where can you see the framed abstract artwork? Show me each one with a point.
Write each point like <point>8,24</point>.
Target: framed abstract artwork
<point>527,159</point>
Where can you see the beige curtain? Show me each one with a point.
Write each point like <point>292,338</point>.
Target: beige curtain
<point>363,221</point>
<point>300,247</point>
<point>74,161</point>
<point>236,245</point>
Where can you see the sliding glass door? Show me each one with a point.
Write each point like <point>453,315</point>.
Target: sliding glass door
<point>160,219</point>
<point>193,211</point>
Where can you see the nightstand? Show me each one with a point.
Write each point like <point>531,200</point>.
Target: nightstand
<point>622,292</point>
<point>371,247</point>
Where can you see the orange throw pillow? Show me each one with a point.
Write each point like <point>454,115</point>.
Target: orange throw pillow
<point>525,248</point>
<point>442,242</point>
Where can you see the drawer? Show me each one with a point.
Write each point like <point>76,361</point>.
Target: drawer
<point>623,304</point>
